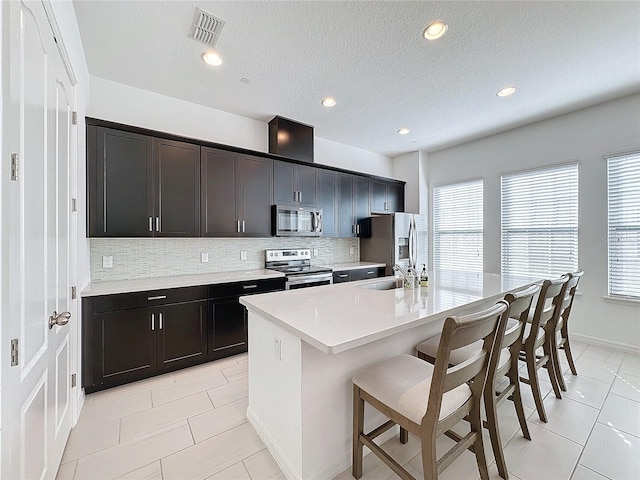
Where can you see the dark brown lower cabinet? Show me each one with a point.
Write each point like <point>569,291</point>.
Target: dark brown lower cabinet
<point>342,276</point>
<point>131,336</point>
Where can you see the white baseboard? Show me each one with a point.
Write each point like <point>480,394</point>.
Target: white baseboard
<point>289,471</point>
<point>282,461</point>
<point>625,347</point>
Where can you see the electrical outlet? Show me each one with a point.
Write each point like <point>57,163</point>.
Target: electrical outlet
<point>277,348</point>
<point>315,252</point>
<point>204,257</point>
<point>107,261</point>
<point>243,255</point>
<point>352,250</point>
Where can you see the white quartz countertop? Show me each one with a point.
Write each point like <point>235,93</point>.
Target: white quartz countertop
<point>336,318</point>
<point>144,284</point>
<point>339,267</point>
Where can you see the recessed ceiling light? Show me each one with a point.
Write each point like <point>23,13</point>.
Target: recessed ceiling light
<point>506,91</point>
<point>212,58</point>
<point>245,80</point>
<point>328,101</point>
<point>403,131</point>
<point>435,30</point>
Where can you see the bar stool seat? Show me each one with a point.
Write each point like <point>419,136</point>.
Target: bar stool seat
<point>403,383</point>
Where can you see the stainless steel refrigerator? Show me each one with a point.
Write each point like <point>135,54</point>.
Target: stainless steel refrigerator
<point>396,238</point>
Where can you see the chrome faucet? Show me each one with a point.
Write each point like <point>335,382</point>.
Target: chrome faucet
<point>397,268</point>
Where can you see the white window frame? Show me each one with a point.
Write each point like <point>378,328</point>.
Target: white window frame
<point>623,207</point>
<point>527,200</point>
<point>459,232</point>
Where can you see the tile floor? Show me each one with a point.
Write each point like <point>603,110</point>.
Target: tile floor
<point>192,424</point>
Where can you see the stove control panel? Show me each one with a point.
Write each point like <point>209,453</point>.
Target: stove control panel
<point>280,255</point>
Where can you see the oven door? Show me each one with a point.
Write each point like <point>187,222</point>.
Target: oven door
<point>291,221</point>
<point>304,281</point>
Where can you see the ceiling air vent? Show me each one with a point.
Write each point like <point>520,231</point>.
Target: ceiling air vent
<point>206,28</point>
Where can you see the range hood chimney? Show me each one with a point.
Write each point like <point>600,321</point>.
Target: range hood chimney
<point>291,139</point>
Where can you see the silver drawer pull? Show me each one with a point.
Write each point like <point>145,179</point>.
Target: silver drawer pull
<point>160,318</point>
<point>153,321</point>
<point>344,275</point>
<point>370,273</point>
<point>159,297</point>
<point>247,287</point>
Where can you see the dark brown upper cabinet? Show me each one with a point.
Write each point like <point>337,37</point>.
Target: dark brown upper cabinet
<point>293,183</point>
<point>328,200</point>
<point>140,186</point>
<point>236,194</point>
<point>353,206</point>
<point>386,197</point>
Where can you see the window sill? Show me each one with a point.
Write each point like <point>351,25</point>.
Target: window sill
<point>628,301</point>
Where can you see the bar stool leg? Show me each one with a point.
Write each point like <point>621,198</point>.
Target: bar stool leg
<point>358,426</point>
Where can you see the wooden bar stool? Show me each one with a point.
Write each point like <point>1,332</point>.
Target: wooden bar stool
<point>503,362</point>
<point>428,400</point>
<point>561,333</point>
<point>535,336</point>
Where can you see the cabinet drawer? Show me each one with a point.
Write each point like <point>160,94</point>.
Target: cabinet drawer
<point>245,288</point>
<point>152,298</point>
<point>342,276</point>
<point>364,273</point>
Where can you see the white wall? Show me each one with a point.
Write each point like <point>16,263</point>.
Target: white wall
<point>586,135</point>
<point>132,106</point>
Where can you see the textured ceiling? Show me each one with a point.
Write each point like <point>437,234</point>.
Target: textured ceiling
<point>372,58</point>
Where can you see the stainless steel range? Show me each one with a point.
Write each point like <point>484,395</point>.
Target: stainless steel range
<point>296,265</point>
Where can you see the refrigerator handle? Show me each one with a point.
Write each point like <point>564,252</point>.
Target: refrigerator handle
<point>412,243</point>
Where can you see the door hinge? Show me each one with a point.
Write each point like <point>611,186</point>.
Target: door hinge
<point>73,380</point>
<point>14,167</point>
<point>74,205</point>
<point>74,293</point>
<point>14,352</point>
<point>74,118</point>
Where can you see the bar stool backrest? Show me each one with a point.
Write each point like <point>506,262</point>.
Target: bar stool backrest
<point>548,306</point>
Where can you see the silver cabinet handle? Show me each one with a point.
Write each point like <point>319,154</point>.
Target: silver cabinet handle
<point>238,226</point>
<point>300,197</point>
<point>242,226</point>
<point>160,320</point>
<point>295,196</point>
<point>151,224</point>
<point>247,287</point>
<point>153,321</point>
<point>357,229</point>
<point>59,319</point>
<point>369,273</point>
<point>157,224</point>
<point>159,297</point>
<point>344,275</point>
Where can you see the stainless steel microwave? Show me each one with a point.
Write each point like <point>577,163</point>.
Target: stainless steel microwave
<point>294,221</point>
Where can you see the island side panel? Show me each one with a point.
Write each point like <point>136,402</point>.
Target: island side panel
<point>275,407</point>
<point>327,396</point>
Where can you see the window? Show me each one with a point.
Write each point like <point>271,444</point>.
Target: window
<point>457,226</point>
<point>540,221</point>
<point>623,175</point>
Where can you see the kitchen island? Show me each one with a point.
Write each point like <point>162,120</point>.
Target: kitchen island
<point>305,346</point>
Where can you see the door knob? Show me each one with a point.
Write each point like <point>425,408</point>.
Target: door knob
<point>59,319</point>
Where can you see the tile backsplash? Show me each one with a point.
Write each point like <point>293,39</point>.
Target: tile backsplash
<point>161,257</point>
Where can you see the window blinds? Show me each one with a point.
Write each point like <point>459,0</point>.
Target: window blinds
<point>623,174</point>
<point>540,221</point>
<point>457,226</point>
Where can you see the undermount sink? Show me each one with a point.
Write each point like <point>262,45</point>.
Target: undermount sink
<point>390,284</point>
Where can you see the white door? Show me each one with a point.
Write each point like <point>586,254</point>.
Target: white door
<point>36,393</point>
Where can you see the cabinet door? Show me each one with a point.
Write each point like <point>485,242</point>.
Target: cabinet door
<point>345,207</point>
<point>182,334</point>
<point>229,326</point>
<point>328,200</point>
<point>176,168</point>
<point>307,187</point>
<point>256,195</point>
<point>378,196</point>
<point>284,182</point>
<point>361,198</point>
<point>125,346</point>
<point>219,180</point>
<point>120,163</point>
<point>395,197</point>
